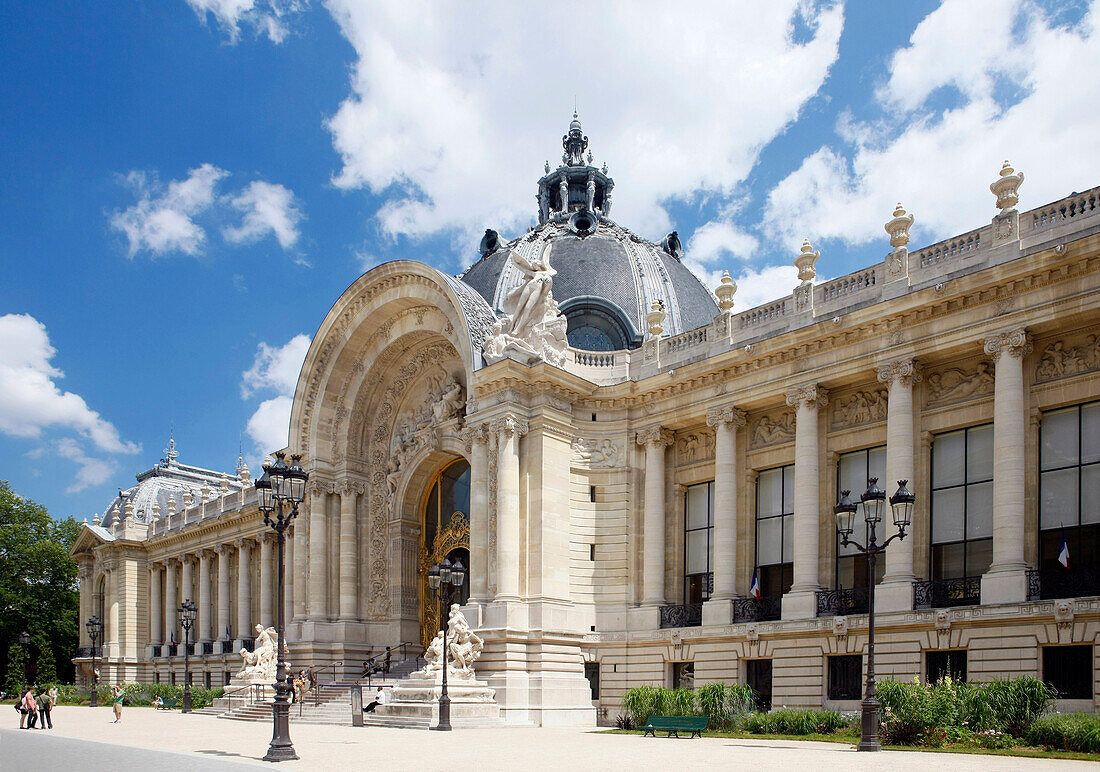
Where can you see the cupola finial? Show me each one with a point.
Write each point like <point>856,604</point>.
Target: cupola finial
<point>575,143</point>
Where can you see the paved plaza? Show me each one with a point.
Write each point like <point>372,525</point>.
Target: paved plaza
<point>86,739</point>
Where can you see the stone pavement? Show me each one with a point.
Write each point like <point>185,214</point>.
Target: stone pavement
<point>215,743</point>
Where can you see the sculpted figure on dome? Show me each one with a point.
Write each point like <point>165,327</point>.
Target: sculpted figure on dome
<point>532,325</point>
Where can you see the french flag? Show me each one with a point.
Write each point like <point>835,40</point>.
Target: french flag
<point>754,588</point>
<point>1063,552</point>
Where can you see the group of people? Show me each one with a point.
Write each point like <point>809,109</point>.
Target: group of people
<point>35,706</point>
<point>377,664</point>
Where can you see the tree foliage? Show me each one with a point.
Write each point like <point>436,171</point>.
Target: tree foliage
<point>38,585</point>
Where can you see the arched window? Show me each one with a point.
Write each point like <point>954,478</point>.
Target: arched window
<point>595,324</point>
<point>449,496</point>
<point>100,600</point>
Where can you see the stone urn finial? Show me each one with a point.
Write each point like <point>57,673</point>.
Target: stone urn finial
<point>898,228</point>
<point>655,318</point>
<point>725,291</point>
<point>156,510</point>
<point>1007,188</point>
<point>805,262</point>
<point>95,519</point>
<point>171,505</point>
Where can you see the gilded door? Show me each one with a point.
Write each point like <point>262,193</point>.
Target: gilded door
<point>445,534</point>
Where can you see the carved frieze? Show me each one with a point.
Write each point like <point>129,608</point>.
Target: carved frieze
<point>596,453</point>
<point>862,407</point>
<point>694,446</point>
<point>957,384</point>
<point>1061,361</point>
<point>772,430</point>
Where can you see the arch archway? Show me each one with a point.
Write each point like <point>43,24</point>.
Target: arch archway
<point>445,533</point>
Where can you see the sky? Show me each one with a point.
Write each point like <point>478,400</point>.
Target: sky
<point>189,185</point>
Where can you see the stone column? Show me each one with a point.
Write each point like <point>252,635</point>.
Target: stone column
<point>203,633</point>
<point>477,450</point>
<point>244,588</point>
<point>1006,580</point>
<point>156,605</point>
<point>726,421</point>
<point>224,552</point>
<point>655,441</point>
<point>801,601</point>
<point>298,568</point>
<point>113,590</point>
<point>187,579</point>
<point>896,593</point>
<point>318,550</point>
<point>267,574</point>
<point>349,550</point>
<point>170,594</point>
<point>509,429</point>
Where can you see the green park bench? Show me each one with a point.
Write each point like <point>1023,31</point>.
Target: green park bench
<point>168,704</point>
<point>675,724</point>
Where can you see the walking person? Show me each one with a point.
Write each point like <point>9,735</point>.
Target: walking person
<point>31,707</point>
<point>118,695</point>
<point>45,705</point>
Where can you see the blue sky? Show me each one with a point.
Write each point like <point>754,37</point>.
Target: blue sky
<point>190,184</point>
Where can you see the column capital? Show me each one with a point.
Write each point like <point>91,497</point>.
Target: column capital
<point>242,543</point>
<point>811,395</point>
<point>224,548</point>
<point>319,486</point>
<point>726,416</point>
<point>904,372</point>
<point>655,437</point>
<point>509,424</point>
<point>347,487</point>
<point>475,434</point>
<point>267,537</point>
<point>171,562</point>
<point>679,489</point>
<point>206,553</point>
<point>188,557</point>
<point>1016,343</point>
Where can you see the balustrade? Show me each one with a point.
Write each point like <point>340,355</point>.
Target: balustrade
<point>757,609</point>
<point>847,285</point>
<point>947,593</point>
<point>1077,205</point>
<point>831,603</point>
<point>960,246</point>
<point>684,615</point>
<point>1049,584</point>
<point>763,314</point>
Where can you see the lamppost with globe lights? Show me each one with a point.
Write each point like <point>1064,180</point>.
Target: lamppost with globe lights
<point>873,501</point>
<point>445,579</point>
<point>187,613</point>
<point>279,492</point>
<point>95,631</point>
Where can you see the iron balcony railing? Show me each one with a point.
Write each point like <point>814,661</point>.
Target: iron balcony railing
<point>1076,582</point>
<point>227,647</point>
<point>832,603</point>
<point>171,647</point>
<point>757,609</point>
<point>87,652</point>
<point>207,647</point>
<point>156,650</point>
<point>684,615</point>
<point>947,593</point>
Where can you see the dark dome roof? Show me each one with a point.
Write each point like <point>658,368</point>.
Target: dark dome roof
<point>611,266</point>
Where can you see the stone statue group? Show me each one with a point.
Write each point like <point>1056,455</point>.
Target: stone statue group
<point>463,649</point>
<point>260,663</point>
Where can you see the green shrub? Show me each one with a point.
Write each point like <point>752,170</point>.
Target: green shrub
<point>795,721</point>
<point>641,702</point>
<point>1015,704</point>
<point>724,704</point>
<point>904,711</point>
<point>1078,732</point>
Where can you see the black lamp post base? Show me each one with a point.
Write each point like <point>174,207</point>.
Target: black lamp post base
<point>869,726</point>
<point>281,753</point>
<point>186,703</point>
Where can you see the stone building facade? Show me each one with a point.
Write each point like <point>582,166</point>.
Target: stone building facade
<point>620,456</point>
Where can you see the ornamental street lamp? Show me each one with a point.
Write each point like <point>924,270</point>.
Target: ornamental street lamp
<point>281,486</point>
<point>445,579</point>
<point>187,620</point>
<point>95,631</point>
<point>25,641</point>
<point>873,501</point>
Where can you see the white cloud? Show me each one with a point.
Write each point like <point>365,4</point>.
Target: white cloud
<point>32,401</point>
<point>170,218</point>
<point>91,472</point>
<point>267,208</point>
<point>275,369</point>
<point>720,238</point>
<point>447,105</point>
<point>266,17</point>
<point>162,219</point>
<point>756,287</point>
<point>1012,82</point>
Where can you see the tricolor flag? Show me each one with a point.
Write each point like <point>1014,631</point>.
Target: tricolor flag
<point>1063,552</point>
<point>754,588</point>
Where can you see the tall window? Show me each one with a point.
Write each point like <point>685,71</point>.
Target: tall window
<point>962,502</point>
<point>853,470</point>
<point>1069,484</point>
<point>775,530</point>
<point>101,600</point>
<point>698,542</point>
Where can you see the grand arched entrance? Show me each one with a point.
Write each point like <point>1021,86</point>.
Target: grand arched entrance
<point>445,533</point>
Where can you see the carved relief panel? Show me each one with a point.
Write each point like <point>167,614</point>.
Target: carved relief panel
<point>949,385</point>
<point>1066,357</point>
<point>772,429</point>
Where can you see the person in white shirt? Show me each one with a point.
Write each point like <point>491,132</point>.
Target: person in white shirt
<point>380,698</point>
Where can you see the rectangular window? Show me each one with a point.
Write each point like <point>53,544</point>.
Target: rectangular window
<point>592,552</point>
<point>944,663</point>
<point>845,673</point>
<point>592,673</point>
<point>962,502</point>
<point>1069,670</point>
<point>228,678</point>
<point>206,679</point>
<point>173,679</point>
<point>592,493</point>
<point>1069,491</point>
<point>698,542</point>
<point>758,676</point>
<point>775,530</point>
<point>156,678</point>
<point>683,675</point>
<point>853,471</point>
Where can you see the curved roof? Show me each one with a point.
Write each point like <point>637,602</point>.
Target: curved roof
<point>612,264</point>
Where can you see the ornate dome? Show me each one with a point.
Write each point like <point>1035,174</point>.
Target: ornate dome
<point>607,277</point>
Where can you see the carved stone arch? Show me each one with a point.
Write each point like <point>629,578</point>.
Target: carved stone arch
<point>372,302</point>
